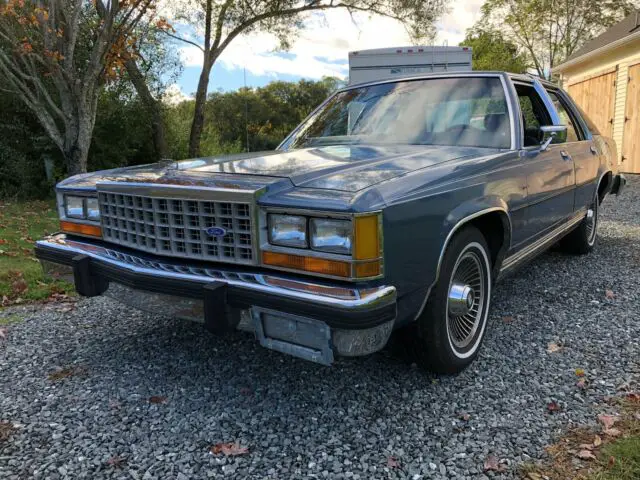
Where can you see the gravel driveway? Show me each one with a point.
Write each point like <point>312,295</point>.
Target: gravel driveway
<point>141,396</point>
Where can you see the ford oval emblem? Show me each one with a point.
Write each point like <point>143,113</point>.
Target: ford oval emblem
<point>216,232</point>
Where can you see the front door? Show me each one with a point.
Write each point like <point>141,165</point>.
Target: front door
<point>550,174</point>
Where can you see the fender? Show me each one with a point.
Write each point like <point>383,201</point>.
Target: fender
<point>462,215</point>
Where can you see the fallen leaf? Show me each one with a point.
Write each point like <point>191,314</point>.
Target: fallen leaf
<point>493,464</point>
<point>586,446</point>
<point>579,372</point>
<point>6,429</point>
<point>67,372</point>
<point>19,286</point>
<point>392,462</point>
<point>553,347</point>
<point>607,421</point>
<point>586,455</point>
<point>612,461</point>
<point>3,241</point>
<point>465,417</point>
<point>582,384</point>
<point>597,441</point>
<point>157,399</point>
<point>507,319</point>
<point>116,462</point>
<point>553,407</point>
<point>228,449</point>
<point>609,294</point>
<point>612,432</point>
<point>633,397</point>
<point>534,476</point>
<point>3,333</point>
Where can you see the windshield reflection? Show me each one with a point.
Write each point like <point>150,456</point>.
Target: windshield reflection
<point>440,111</point>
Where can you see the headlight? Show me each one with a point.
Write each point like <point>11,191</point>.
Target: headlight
<point>74,206</point>
<point>93,210</point>
<point>287,230</point>
<point>84,208</point>
<point>331,235</point>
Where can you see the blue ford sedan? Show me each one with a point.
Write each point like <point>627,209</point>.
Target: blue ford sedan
<point>397,203</point>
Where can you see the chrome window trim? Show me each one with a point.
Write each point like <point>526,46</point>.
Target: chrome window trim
<point>503,80</point>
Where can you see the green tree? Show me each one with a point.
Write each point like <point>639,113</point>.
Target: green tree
<point>492,52</point>
<point>55,56</point>
<point>549,31</point>
<point>262,116</point>
<point>218,22</point>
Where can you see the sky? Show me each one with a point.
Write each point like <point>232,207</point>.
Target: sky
<point>321,49</point>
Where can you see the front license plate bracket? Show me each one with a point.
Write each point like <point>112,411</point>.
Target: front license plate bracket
<point>294,335</point>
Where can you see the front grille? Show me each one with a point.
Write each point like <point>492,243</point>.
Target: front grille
<point>177,227</point>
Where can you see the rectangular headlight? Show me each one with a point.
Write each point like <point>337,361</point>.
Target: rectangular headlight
<point>287,230</point>
<point>74,206</point>
<point>93,209</point>
<point>328,235</point>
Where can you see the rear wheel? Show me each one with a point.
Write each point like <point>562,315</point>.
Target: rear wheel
<point>452,325</point>
<point>582,240</point>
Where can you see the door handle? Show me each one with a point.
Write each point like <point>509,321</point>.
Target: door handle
<point>565,155</point>
<point>593,149</point>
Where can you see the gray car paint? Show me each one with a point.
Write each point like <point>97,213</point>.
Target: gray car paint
<point>425,192</point>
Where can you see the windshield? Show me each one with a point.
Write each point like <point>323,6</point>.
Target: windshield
<point>440,111</point>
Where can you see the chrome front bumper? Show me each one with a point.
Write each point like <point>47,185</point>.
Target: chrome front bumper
<point>286,312</point>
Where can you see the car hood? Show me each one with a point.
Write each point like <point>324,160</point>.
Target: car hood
<point>347,168</point>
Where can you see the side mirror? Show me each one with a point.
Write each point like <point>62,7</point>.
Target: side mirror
<point>550,133</point>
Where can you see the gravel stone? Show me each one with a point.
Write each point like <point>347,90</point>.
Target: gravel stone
<point>302,420</point>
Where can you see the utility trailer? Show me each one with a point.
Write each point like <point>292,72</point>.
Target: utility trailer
<point>383,63</point>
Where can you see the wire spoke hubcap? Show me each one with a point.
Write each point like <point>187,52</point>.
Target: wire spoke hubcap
<point>466,300</point>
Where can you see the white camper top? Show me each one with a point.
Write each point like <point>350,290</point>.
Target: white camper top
<point>384,63</point>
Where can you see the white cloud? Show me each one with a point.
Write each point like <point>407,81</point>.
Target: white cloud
<point>453,25</point>
<point>327,39</point>
<point>174,95</point>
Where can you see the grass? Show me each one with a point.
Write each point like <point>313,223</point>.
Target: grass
<point>617,458</point>
<point>11,320</point>
<point>626,463</point>
<point>21,276</point>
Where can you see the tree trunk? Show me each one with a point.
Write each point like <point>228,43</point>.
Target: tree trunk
<point>75,157</point>
<point>198,115</point>
<point>157,122</point>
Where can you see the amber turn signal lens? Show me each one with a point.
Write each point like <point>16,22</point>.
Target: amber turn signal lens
<point>81,228</point>
<point>367,238</point>
<point>368,269</point>
<point>309,264</point>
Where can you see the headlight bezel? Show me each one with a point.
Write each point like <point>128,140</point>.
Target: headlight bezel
<point>363,263</point>
<point>89,203</point>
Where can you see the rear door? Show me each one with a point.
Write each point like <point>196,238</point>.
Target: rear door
<point>579,145</point>
<point>550,173</point>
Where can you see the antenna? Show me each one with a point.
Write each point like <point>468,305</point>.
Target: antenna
<point>246,110</point>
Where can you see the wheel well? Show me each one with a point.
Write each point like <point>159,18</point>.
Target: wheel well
<point>605,185</point>
<point>496,229</point>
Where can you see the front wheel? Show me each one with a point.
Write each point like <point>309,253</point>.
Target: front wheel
<point>452,325</point>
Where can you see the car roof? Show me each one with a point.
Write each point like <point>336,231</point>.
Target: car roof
<point>470,73</point>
